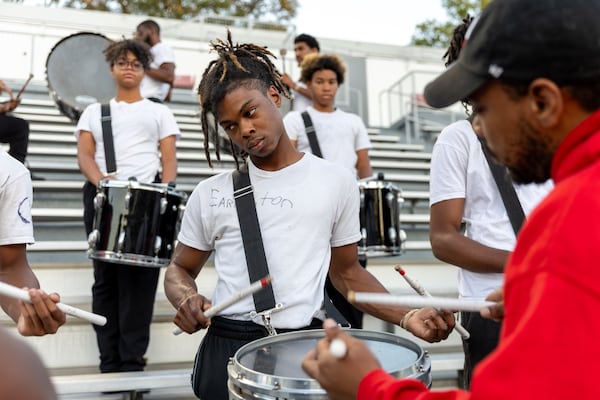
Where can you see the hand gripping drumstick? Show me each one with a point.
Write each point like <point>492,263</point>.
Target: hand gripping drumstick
<point>423,292</point>
<point>16,293</point>
<point>214,310</point>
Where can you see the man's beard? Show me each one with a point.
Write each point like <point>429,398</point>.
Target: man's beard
<point>532,160</point>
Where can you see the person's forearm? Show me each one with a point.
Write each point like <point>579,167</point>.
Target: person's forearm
<point>89,168</point>
<point>16,272</point>
<point>179,285</point>
<point>459,250</point>
<point>360,280</point>
<point>161,75</point>
<point>169,170</point>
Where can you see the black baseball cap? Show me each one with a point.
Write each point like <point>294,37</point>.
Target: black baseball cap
<point>521,40</point>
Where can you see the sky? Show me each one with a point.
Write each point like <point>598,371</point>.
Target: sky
<point>378,21</point>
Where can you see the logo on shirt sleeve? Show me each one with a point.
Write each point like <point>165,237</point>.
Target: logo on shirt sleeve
<point>24,211</point>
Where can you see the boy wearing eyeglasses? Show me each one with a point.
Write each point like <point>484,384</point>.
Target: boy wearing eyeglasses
<point>144,135</point>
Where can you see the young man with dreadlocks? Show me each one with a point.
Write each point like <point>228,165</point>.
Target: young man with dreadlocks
<point>307,209</point>
<point>463,189</point>
<point>144,135</point>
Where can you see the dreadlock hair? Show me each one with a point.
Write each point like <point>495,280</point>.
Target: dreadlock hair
<point>318,62</point>
<point>458,37</point>
<point>456,44</point>
<point>119,49</point>
<point>240,65</point>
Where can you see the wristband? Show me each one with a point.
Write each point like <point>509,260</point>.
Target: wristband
<point>406,317</point>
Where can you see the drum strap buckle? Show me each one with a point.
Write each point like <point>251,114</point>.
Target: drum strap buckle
<point>242,191</point>
<point>266,318</point>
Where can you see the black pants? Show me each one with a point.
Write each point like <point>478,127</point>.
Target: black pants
<point>352,314</point>
<point>223,338</point>
<point>15,132</point>
<point>125,295</point>
<point>484,336</point>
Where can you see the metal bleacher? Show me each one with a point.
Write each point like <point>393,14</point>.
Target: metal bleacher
<point>60,262</point>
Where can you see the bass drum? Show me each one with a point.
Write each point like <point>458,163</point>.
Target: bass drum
<point>78,74</point>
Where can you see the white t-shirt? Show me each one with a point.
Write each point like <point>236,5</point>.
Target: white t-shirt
<point>299,101</point>
<point>459,170</point>
<point>303,211</point>
<point>151,87</point>
<point>16,197</point>
<point>137,129</point>
<point>340,135</point>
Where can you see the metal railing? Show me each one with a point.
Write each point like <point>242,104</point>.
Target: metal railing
<point>403,100</point>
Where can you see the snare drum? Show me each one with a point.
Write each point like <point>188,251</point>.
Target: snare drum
<point>78,74</point>
<point>380,204</point>
<point>135,223</point>
<point>271,367</point>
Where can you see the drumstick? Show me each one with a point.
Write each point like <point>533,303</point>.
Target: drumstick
<point>283,52</point>
<point>214,310</point>
<point>338,348</point>
<point>20,294</point>
<point>423,292</point>
<point>443,303</point>
<point>24,86</point>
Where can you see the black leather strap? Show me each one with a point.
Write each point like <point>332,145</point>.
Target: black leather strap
<point>311,134</point>
<point>253,245</point>
<point>109,147</point>
<point>506,189</point>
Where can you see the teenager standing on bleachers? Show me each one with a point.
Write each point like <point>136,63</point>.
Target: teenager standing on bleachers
<point>144,135</point>
<point>301,96</point>
<point>160,74</point>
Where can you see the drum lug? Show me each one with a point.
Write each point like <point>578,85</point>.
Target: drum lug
<point>163,205</point>
<point>157,245</point>
<point>93,238</point>
<point>393,234</point>
<point>121,241</point>
<point>127,199</point>
<point>99,201</point>
<point>362,199</point>
<point>389,197</point>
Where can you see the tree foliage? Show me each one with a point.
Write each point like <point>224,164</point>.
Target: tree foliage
<point>437,34</point>
<point>264,10</point>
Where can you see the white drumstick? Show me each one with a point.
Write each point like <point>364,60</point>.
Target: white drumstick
<point>423,292</point>
<point>338,348</point>
<point>20,294</point>
<point>214,310</point>
<point>443,303</point>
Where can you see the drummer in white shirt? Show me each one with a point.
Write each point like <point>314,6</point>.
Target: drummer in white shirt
<point>144,135</point>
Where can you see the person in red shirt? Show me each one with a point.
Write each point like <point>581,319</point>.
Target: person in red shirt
<point>531,70</point>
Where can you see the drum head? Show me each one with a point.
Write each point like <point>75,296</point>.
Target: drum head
<point>78,74</point>
<point>276,362</point>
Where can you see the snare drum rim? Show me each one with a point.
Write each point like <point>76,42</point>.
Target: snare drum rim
<point>151,187</point>
<point>378,184</point>
<point>264,383</point>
